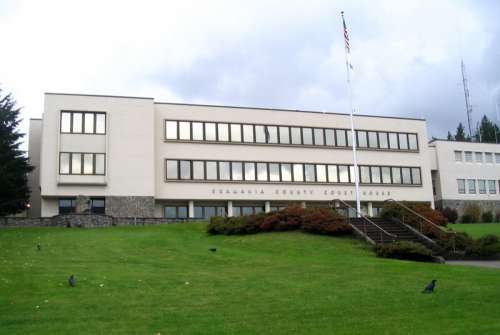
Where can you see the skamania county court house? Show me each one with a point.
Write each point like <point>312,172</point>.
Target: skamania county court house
<point>135,157</point>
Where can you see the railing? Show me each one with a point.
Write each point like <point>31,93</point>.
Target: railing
<point>420,222</point>
<point>384,236</point>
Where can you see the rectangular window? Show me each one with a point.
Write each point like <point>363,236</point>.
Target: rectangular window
<point>64,163</point>
<point>236,132</point>
<point>415,176</point>
<point>332,174</point>
<point>365,174</point>
<point>330,137</point>
<point>343,173</point>
<point>182,212</point>
<point>318,136</point>
<point>89,123</point>
<point>76,163</point>
<point>77,123</point>
<point>223,132</point>
<point>286,172</point>
<point>461,186</point>
<point>341,137</point>
<point>198,212</point>
<point>403,141</point>
<point>383,141</point>
<point>88,163</point>
<point>65,122</point>
<point>482,186</point>
<point>224,171</point>
<point>97,205</point>
<point>372,139</point>
<point>272,134</point>
<point>362,139</point>
<point>198,170</point>
<point>237,170</point>
<point>393,141</point>
<point>100,163</point>
<point>171,130</point>
<point>386,175</point>
<point>260,134</point>
<point>210,132</point>
<point>471,183</point>
<point>250,171</point>
<point>492,187</point>
<point>211,170</point>
<point>185,169</point>
<point>197,131</point>
<point>375,170</point>
<point>284,135</point>
<point>406,173</point>
<point>309,172</point>
<point>296,136</point>
<point>497,158</point>
<point>185,130</point>
<point>479,157</point>
<point>172,169</point>
<point>458,156</point>
<point>248,133</point>
<point>396,175</point>
<point>67,205</point>
<point>349,138</point>
<point>488,157</point>
<point>321,173</point>
<point>307,136</point>
<point>413,141</point>
<point>274,172</point>
<point>170,212</point>
<point>262,172</point>
<point>298,172</point>
<point>352,176</point>
<point>100,123</point>
<point>468,156</point>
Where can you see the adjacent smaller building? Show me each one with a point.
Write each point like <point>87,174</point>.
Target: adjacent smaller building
<point>465,173</point>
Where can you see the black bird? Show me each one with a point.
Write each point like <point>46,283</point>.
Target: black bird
<point>213,249</point>
<point>430,288</point>
<point>39,247</point>
<point>72,281</point>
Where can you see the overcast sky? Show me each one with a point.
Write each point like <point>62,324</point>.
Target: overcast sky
<point>284,54</point>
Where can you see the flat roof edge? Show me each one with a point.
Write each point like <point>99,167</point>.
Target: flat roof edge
<point>470,142</point>
<point>98,95</point>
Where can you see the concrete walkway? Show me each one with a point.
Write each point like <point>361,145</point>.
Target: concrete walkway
<point>484,264</point>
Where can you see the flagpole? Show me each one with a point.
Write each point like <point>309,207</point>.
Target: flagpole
<point>351,111</point>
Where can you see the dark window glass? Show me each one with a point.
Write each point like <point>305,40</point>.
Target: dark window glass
<point>472,186</point>
<point>284,135</point>
<point>307,136</point>
<point>221,211</point>
<point>236,211</point>
<point>296,137</point>
<point>209,212</point>
<point>258,210</point>
<point>310,172</point>
<point>236,132</point>
<point>249,171</point>
<point>198,212</point>
<point>318,136</point>
<point>461,186</point>
<point>172,169</point>
<point>97,205</point>
<point>182,212</point>
<point>247,210</point>
<point>171,130</point>
<point>67,206</point>
<point>170,212</point>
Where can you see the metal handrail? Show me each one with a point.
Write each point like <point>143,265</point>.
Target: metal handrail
<point>365,218</point>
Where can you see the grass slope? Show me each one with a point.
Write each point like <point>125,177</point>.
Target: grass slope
<point>163,279</point>
<point>477,229</point>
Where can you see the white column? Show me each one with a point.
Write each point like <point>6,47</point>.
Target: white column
<point>229,208</point>
<point>303,204</point>
<point>191,208</point>
<point>267,206</point>
<point>370,209</point>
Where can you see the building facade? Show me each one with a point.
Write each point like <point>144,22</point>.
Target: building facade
<point>465,173</point>
<point>134,157</point>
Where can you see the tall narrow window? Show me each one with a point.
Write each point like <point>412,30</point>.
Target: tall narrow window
<point>248,133</point>
<point>262,171</point>
<point>319,138</point>
<point>260,134</point>
<point>223,132</point>
<point>458,156</point>
<point>224,171</point>
<point>497,158</point>
<point>488,157</point>
<point>375,170</point>
<point>468,156</point>
<point>64,163</point>
<point>362,139</point>
<point>461,186</point>
<point>171,130</point>
<point>386,175</point>
<point>88,164</point>
<point>396,175</point>
<point>365,174</point>
<point>237,170</point>
<point>298,172</point>
<point>310,172</point>
<point>471,183</point>
<point>197,131</point>
<point>211,170</point>
<point>492,188</point>
<point>415,176</point>
<point>296,136</point>
<point>76,163</point>
<point>198,170</point>
<point>286,172</point>
<point>406,173</point>
<point>100,123</point>
<point>372,139</point>
<point>341,137</point>
<point>383,141</point>
<point>321,173</point>
<point>284,135</point>
<point>89,123</point>
<point>272,134</point>
<point>343,173</point>
<point>65,122</point>
<point>100,163</point>
<point>413,142</point>
<point>274,172</point>
<point>77,123</point>
<point>332,174</point>
<point>393,141</point>
<point>479,157</point>
<point>185,169</point>
<point>349,138</point>
<point>235,132</point>
<point>482,186</point>
<point>210,132</point>
<point>329,137</point>
<point>185,130</point>
<point>352,175</point>
<point>307,136</point>
<point>172,169</point>
<point>250,171</point>
<point>403,141</point>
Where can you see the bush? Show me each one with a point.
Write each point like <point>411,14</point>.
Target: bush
<point>487,217</point>
<point>474,211</point>
<point>467,218</point>
<point>455,242</point>
<point>497,217</point>
<point>450,214</point>
<point>391,209</point>
<point>404,250</point>
<point>485,247</point>
<point>325,221</point>
<point>216,225</point>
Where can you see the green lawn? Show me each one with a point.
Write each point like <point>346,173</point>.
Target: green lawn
<point>144,280</point>
<point>477,229</point>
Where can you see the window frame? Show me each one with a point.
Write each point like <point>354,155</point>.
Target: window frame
<point>83,132</point>
<point>82,163</point>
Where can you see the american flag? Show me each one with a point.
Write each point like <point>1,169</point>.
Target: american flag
<point>346,40</point>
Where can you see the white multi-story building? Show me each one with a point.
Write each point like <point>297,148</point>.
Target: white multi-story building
<point>128,156</point>
<point>465,173</point>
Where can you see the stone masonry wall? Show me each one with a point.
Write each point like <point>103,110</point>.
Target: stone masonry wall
<point>460,205</point>
<point>130,206</point>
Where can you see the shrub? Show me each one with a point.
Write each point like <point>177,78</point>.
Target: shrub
<point>497,217</point>
<point>474,211</point>
<point>467,218</point>
<point>455,242</point>
<point>485,247</point>
<point>216,225</point>
<point>404,250</point>
<point>487,217</point>
<point>325,221</point>
<point>450,214</point>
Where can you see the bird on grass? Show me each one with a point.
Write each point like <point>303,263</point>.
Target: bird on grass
<point>430,288</point>
<point>39,247</point>
<point>72,281</point>
<point>213,249</point>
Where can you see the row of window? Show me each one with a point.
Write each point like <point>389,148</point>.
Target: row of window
<point>473,186</point>
<point>206,212</point>
<point>478,157</point>
<point>82,163</point>
<point>288,135</point>
<point>288,172</point>
<point>83,122</point>
<point>68,205</point>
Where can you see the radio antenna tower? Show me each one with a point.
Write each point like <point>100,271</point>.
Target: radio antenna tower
<point>468,106</point>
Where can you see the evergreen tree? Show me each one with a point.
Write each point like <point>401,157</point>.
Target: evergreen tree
<point>460,134</point>
<point>488,131</point>
<point>450,137</point>
<point>14,167</point>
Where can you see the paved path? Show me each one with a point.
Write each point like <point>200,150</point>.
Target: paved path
<point>484,264</point>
